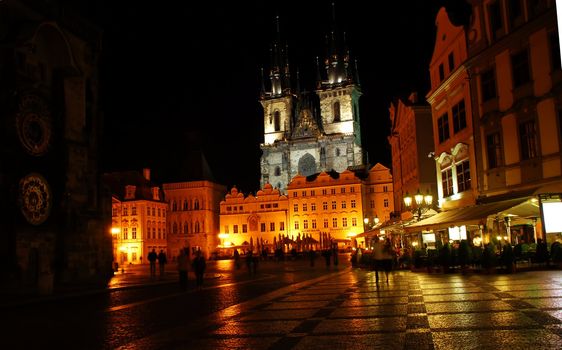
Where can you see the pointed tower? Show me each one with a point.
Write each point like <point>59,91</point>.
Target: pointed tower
<point>339,94</point>
<point>278,101</point>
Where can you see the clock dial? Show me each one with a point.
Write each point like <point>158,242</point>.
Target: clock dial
<point>34,125</point>
<point>35,198</point>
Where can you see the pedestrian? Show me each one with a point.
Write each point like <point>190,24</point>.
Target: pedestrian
<point>236,259</point>
<point>183,266</point>
<point>152,256</point>
<point>199,266</point>
<point>382,257</point>
<point>312,257</point>
<point>162,262</point>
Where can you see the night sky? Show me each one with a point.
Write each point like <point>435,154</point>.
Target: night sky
<point>179,76</point>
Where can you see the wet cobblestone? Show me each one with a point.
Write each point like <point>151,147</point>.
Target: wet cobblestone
<point>347,310</point>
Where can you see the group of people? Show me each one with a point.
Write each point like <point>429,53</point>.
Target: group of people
<point>198,264</point>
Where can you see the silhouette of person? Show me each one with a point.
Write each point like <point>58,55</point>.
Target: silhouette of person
<point>152,256</point>
<point>199,266</point>
<point>183,266</point>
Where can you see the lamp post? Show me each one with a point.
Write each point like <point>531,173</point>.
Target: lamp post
<point>422,203</point>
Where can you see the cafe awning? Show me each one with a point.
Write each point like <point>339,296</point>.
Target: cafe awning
<point>476,214</point>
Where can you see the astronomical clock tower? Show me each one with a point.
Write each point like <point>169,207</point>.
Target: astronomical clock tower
<point>309,132</point>
<point>55,221</point>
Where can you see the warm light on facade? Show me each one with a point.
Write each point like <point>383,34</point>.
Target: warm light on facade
<point>115,230</point>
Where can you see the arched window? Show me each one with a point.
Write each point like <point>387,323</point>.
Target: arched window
<point>196,204</point>
<point>197,227</point>
<point>336,107</point>
<point>174,206</point>
<point>277,171</point>
<point>277,120</point>
<point>184,204</point>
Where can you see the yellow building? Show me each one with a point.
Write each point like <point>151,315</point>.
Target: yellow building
<point>379,195</point>
<point>138,216</point>
<point>326,205</point>
<point>245,221</point>
<point>193,215</point>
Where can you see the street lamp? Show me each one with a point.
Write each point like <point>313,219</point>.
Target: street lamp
<point>422,203</point>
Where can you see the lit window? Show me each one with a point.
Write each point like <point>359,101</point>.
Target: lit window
<point>304,207</point>
<point>353,204</point>
<point>325,205</point>
<point>296,225</point>
<point>463,176</point>
<point>282,226</point>
<point>334,222</point>
<point>313,223</point>
<point>305,224</point>
<point>295,207</point>
<point>343,205</point>
<point>313,206</point>
<point>272,226</point>
<point>134,233</point>
<point>353,221</point>
<point>334,205</point>
<point>385,203</point>
<point>344,222</point>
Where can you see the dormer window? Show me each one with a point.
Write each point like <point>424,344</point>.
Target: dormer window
<point>130,191</point>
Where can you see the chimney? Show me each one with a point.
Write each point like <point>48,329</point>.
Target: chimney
<point>146,173</point>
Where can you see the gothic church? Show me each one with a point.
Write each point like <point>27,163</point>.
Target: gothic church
<point>307,133</point>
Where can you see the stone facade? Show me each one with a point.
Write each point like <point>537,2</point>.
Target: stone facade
<point>193,216</point>
<point>307,133</point>
<point>56,218</point>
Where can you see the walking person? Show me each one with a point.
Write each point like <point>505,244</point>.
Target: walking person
<point>152,256</point>
<point>236,259</point>
<point>382,258</point>
<point>162,260</point>
<point>183,266</point>
<point>199,266</point>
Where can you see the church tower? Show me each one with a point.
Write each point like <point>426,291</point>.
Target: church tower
<point>306,133</point>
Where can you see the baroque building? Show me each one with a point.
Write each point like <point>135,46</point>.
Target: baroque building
<point>138,218</point>
<point>304,132</point>
<point>55,226</point>
<point>247,221</point>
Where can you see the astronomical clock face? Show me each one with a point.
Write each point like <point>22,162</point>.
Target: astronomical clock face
<point>35,198</point>
<point>34,125</point>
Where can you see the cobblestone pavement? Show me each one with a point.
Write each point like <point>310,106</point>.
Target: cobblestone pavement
<point>348,310</point>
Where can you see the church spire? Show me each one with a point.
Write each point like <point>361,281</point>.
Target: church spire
<point>279,73</point>
<point>337,58</point>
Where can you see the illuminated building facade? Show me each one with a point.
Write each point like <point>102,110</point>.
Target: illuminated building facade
<point>411,142</point>
<point>138,216</point>
<point>516,85</point>
<point>507,160</point>
<point>306,133</point>
<point>193,215</point>
<point>245,220</point>
<point>326,204</point>
<point>378,195</point>
<point>450,100</point>
<point>55,220</point>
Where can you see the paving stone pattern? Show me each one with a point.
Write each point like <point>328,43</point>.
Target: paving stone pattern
<point>413,311</point>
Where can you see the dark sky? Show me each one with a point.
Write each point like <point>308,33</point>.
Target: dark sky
<point>179,75</point>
